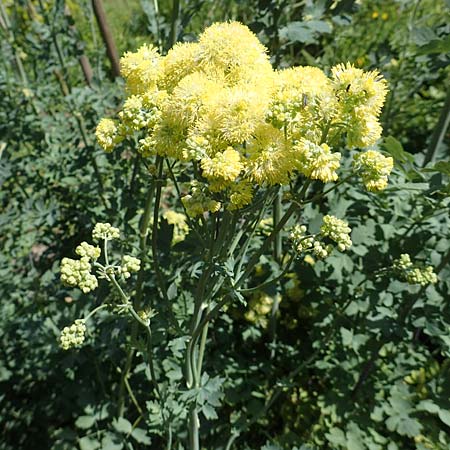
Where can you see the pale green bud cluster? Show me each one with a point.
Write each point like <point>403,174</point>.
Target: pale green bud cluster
<point>301,241</point>
<point>337,230</point>
<point>414,273</point>
<point>320,250</point>
<point>105,231</point>
<point>198,147</point>
<point>88,251</point>
<point>77,272</point>
<point>198,202</point>
<point>129,265</point>
<point>374,169</point>
<point>146,146</point>
<point>304,243</point>
<point>73,335</point>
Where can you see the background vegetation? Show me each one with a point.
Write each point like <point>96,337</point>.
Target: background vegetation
<point>364,360</point>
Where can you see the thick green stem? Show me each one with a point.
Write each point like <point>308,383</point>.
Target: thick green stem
<point>201,350</point>
<point>194,428</point>
<point>439,132</point>
<point>173,37</point>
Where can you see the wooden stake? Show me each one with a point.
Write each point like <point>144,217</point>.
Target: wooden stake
<point>107,36</point>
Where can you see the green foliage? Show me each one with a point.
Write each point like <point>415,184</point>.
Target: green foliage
<point>347,358</point>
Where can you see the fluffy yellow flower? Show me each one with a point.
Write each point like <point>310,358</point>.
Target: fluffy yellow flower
<point>190,94</point>
<point>225,166</point>
<point>354,88</point>
<point>316,161</point>
<point>236,112</point>
<point>363,129</point>
<point>233,50</point>
<point>140,69</point>
<point>220,104</point>
<point>301,102</point>
<point>293,83</point>
<point>179,62</point>
<point>270,156</point>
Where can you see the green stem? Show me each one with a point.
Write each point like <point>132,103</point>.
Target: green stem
<point>439,132</point>
<point>143,234</point>
<point>244,248</point>
<point>201,350</point>
<point>324,193</point>
<point>94,311</point>
<point>143,231</point>
<point>194,426</point>
<point>173,37</point>
<point>277,209</point>
<point>255,258</point>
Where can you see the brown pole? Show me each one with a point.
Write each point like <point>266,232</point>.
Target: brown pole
<point>107,36</point>
<point>86,68</point>
<point>82,59</point>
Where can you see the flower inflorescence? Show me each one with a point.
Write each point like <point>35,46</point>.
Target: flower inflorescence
<point>73,335</point>
<point>335,229</point>
<point>414,273</point>
<point>105,231</point>
<point>220,104</point>
<point>129,265</point>
<point>374,169</point>
<point>77,272</point>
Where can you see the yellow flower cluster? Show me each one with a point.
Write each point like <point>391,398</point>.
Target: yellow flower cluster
<point>199,202</point>
<point>374,169</point>
<point>220,104</point>
<point>317,162</point>
<point>337,230</point>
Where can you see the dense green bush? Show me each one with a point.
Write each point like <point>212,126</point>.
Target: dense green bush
<point>334,354</point>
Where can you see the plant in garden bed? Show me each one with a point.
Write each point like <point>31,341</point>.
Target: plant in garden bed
<point>228,143</point>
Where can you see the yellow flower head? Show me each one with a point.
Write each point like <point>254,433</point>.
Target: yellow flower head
<point>270,159</point>
<point>224,166</point>
<point>107,134</point>
<point>295,90</point>
<point>241,195</point>
<point>363,129</point>
<point>179,62</point>
<point>235,112</point>
<point>354,87</point>
<point>316,161</point>
<point>374,169</point>
<point>199,202</point>
<point>190,94</point>
<point>140,69</point>
<point>233,50</point>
